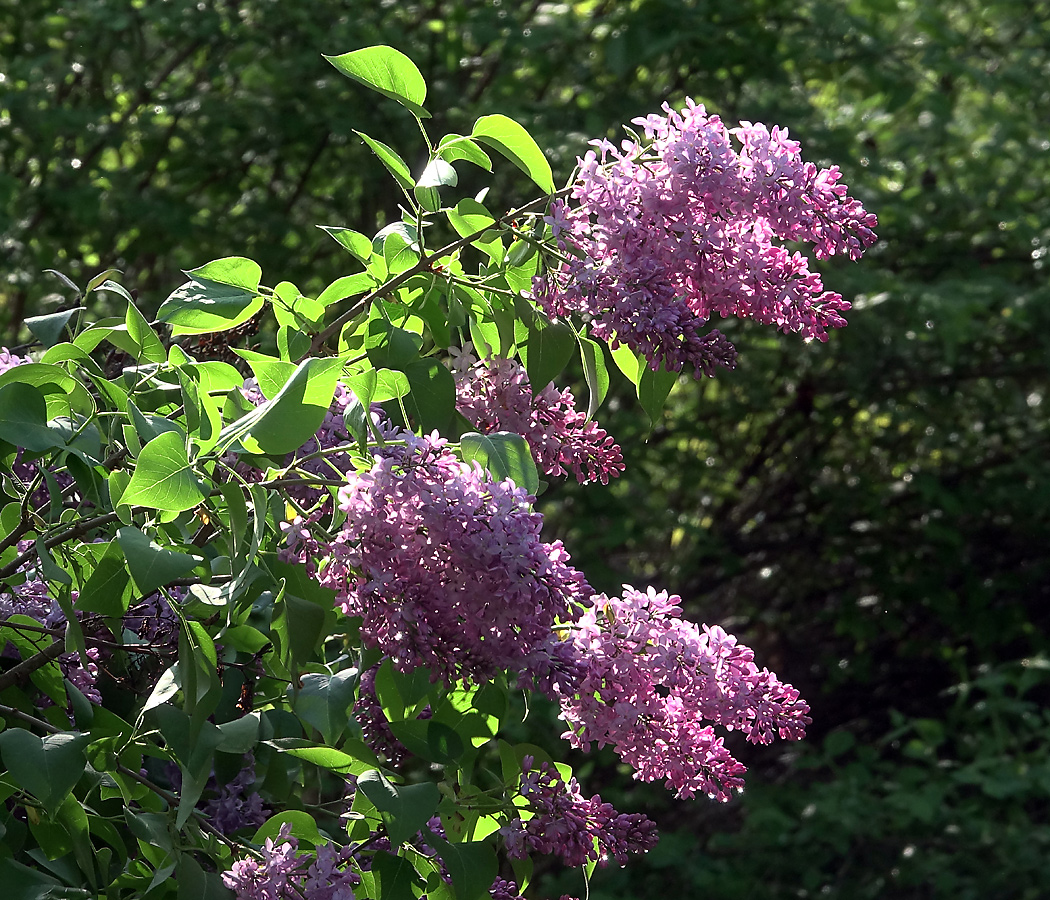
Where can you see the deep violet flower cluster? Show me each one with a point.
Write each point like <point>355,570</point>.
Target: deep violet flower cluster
<point>375,727</point>
<point>283,873</point>
<point>32,598</point>
<point>684,226</point>
<point>495,395</point>
<point>575,828</point>
<point>444,565</point>
<point>655,687</point>
<point>235,807</point>
<point>503,889</point>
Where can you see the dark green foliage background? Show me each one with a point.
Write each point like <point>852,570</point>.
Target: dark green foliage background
<point>872,514</point>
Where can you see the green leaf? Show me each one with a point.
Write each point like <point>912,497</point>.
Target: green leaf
<point>400,247</point>
<point>23,418</point>
<point>347,286</point>
<point>470,217</point>
<point>653,388</point>
<point>150,349</point>
<point>356,243</point>
<point>23,883</point>
<point>271,373</point>
<point>300,610</point>
<point>432,400</point>
<point>324,701</point>
<point>512,141</point>
<point>303,827</point>
<point>438,173</point>
<point>102,278</point>
<point>406,809</point>
<point>203,306</point>
<point>150,564</point>
<point>293,415</point>
<point>387,71</point>
<point>389,346</point>
<point>48,677</point>
<point>356,421</point>
<point>240,735</point>
<point>595,374</point>
<point>505,454</point>
<point>429,740</point>
<point>196,884</point>
<point>49,329</point>
<point>108,588</point>
<point>235,271</point>
<point>395,165</point>
<point>329,758</point>
<point>628,362</point>
<point>364,386</point>
<point>455,146</point>
<point>163,478</point>
<point>394,877</point>
<point>390,385</point>
<point>47,767</point>
<point>549,350</point>
<point>148,426</point>
<point>472,866</point>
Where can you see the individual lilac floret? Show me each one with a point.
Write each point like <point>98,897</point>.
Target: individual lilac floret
<point>495,395</point>
<point>655,686</point>
<point>444,565</point>
<point>663,236</point>
<point>567,824</point>
<point>9,360</point>
<point>283,873</point>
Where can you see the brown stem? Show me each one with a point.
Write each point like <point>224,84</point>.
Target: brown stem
<point>27,667</point>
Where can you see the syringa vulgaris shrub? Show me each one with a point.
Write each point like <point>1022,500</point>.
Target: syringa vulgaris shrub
<point>267,635</point>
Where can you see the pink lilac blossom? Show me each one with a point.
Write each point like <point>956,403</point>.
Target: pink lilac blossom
<point>495,395</point>
<point>283,873</point>
<point>575,828</point>
<point>655,686</point>
<point>444,565</point>
<point>686,226</point>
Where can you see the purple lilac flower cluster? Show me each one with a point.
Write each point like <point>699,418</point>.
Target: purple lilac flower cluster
<point>33,598</point>
<point>444,565</point>
<point>655,686</point>
<point>283,873</point>
<point>375,727</point>
<point>495,395</point>
<point>503,889</point>
<point>233,809</point>
<point>686,226</point>
<point>577,829</point>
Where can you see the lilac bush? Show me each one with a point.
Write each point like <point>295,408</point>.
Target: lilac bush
<point>297,606</point>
